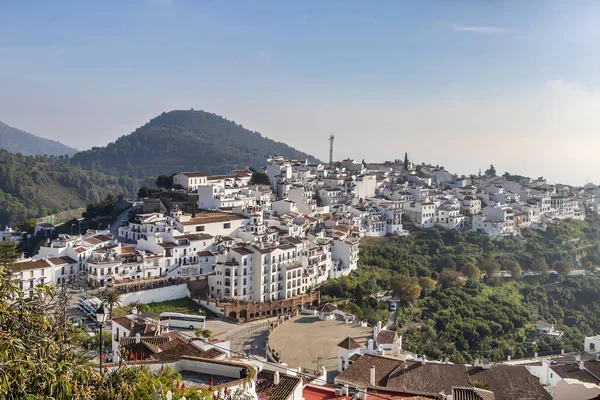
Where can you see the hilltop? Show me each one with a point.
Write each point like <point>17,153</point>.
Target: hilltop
<point>18,141</point>
<point>34,186</point>
<point>182,141</point>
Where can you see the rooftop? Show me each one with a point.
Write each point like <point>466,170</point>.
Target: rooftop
<point>265,384</point>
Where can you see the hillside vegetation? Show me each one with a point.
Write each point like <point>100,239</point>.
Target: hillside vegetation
<point>455,302</point>
<point>18,141</point>
<point>34,186</point>
<point>183,141</point>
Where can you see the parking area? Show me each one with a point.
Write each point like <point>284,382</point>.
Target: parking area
<point>306,341</point>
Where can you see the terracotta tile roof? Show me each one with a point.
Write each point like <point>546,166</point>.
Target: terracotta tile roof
<point>293,266</point>
<point>195,236</point>
<point>62,260</point>
<point>593,366</point>
<point>349,344</point>
<point>328,307</point>
<point>242,251</point>
<point>544,324</point>
<point>167,245</point>
<point>219,177</point>
<point>265,385</point>
<point>387,337</point>
<point>210,217</point>
<point>263,251</point>
<point>205,254</point>
<point>358,373</point>
<point>103,238</point>
<point>31,264</point>
<point>572,371</point>
<point>193,174</point>
<point>471,393</point>
<point>355,357</point>
<point>79,249</point>
<point>293,240</point>
<point>416,377</point>
<point>509,382</point>
<point>287,247</point>
<point>128,250</point>
<point>170,346</point>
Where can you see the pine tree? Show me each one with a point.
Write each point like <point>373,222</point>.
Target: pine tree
<point>406,161</point>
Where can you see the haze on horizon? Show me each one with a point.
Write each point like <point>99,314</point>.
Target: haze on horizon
<point>461,83</point>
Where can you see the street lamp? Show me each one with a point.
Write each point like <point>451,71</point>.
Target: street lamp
<point>101,318</point>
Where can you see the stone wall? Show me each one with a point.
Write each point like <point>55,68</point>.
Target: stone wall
<point>249,311</point>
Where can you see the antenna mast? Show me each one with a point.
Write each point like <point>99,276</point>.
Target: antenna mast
<point>331,137</point>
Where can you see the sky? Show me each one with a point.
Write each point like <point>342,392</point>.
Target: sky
<point>459,83</point>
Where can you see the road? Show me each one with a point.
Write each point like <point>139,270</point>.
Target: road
<point>392,319</point>
<point>114,228</point>
<point>249,338</point>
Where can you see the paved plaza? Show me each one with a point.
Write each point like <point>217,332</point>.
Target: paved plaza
<point>307,341</point>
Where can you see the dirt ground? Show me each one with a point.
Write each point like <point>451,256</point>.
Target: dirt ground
<point>302,340</point>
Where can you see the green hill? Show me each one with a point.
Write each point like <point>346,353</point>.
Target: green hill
<point>34,186</point>
<point>183,141</point>
<point>18,141</point>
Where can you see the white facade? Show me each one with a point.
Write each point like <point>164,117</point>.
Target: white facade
<point>189,180</point>
<point>422,214</point>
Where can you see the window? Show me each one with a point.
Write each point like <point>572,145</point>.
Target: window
<point>227,225</point>
<point>200,228</point>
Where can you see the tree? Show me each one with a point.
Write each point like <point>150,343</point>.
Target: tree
<point>539,265</point>
<point>490,171</point>
<point>164,181</point>
<point>450,278</point>
<point>358,295</point>
<point>140,307</point>
<point>27,225</point>
<point>112,298</point>
<point>406,161</point>
<point>563,267</point>
<point>260,178</point>
<point>203,333</point>
<point>588,266</point>
<point>41,354</point>
<point>406,288</point>
<point>143,192</point>
<point>470,270</point>
<point>490,266</point>
<point>514,268</point>
<point>427,284</point>
<point>8,252</point>
<point>109,199</point>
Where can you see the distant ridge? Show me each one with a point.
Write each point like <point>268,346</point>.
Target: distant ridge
<point>17,141</point>
<point>187,140</point>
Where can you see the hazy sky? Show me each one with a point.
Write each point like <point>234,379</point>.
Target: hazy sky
<point>462,84</point>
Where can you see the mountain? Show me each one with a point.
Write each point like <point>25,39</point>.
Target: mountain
<point>184,141</point>
<point>18,141</point>
<point>36,186</point>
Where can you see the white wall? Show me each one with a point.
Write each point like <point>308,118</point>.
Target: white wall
<point>156,295</point>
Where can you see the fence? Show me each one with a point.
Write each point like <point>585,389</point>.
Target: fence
<point>61,217</point>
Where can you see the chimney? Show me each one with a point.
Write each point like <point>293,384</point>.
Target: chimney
<point>276,378</point>
<point>137,338</point>
<point>581,365</point>
<point>372,376</point>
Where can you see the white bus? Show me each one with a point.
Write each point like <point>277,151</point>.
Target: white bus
<point>177,320</point>
<point>89,306</point>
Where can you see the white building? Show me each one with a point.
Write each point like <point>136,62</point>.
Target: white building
<point>189,180</point>
<point>422,214</point>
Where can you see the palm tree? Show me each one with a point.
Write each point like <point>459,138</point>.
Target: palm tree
<point>112,298</point>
